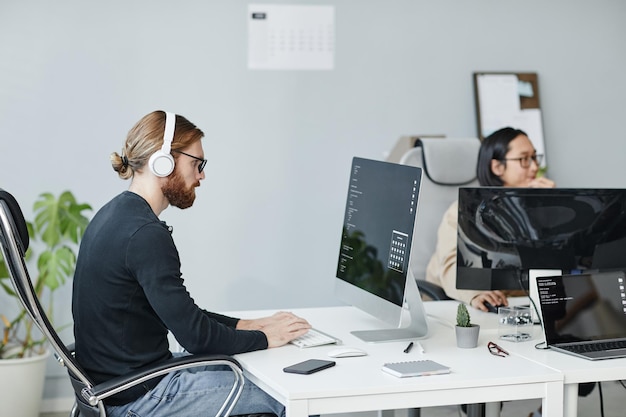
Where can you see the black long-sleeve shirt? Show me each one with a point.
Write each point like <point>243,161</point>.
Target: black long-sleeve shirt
<point>128,291</point>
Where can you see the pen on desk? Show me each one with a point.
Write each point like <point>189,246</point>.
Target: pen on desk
<point>408,348</point>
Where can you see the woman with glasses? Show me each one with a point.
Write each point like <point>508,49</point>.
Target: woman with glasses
<point>506,158</point>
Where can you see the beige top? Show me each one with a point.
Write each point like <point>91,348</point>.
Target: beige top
<point>441,268</point>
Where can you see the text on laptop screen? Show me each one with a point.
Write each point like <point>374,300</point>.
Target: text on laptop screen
<point>583,307</point>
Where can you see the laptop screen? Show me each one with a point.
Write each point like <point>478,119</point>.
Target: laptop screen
<point>585,307</point>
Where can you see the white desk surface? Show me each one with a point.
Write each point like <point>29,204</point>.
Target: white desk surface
<point>358,384</point>
<point>575,370</point>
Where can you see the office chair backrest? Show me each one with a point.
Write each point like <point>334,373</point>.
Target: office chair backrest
<point>447,163</point>
<point>14,242</point>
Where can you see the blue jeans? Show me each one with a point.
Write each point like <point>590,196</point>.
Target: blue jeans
<point>197,392</point>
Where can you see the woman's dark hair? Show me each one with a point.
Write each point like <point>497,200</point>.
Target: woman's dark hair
<point>494,146</point>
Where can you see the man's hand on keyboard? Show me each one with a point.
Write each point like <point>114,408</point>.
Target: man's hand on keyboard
<point>279,328</point>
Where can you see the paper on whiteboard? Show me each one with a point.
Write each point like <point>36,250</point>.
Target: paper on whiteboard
<point>499,97</point>
<point>288,37</point>
<point>529,120</point>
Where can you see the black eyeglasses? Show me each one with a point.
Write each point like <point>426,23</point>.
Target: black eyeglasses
<point>202,161</point>
<point>497,350</point>
<point>524,161</point>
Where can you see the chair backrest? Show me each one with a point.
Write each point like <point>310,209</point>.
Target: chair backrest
<point>447,163</point>
<point>14,242</point>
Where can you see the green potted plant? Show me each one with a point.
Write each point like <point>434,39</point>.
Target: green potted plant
<point>55,233</point>
<point>466,332</point>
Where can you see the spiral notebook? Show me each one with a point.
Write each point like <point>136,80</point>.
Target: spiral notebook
<point>415,368</point>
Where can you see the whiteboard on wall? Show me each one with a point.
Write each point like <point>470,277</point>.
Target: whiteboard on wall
<point>291,37</point>
<point>509,99</point>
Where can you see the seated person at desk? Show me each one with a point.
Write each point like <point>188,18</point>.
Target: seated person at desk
<point>129,291</point>
<point>506,158</point>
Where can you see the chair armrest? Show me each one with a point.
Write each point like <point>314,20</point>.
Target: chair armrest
<point>121,383</point>
<point>432,290</point>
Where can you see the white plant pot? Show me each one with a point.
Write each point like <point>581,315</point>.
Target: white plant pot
<point>467,337</point>
<point>21,385</point>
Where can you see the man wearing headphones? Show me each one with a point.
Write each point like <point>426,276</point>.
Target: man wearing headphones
<point>129,292</point>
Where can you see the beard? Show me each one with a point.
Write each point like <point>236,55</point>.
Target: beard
<point>176,192</point>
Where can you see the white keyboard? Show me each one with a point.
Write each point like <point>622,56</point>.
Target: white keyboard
<point>314,338</point>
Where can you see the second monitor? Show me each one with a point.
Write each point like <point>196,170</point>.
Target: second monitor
<point>505,232</point>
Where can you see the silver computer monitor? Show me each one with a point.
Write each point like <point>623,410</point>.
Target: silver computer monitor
<point>373,267</point>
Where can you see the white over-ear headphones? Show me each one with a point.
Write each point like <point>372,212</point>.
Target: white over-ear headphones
<point>161,162</point>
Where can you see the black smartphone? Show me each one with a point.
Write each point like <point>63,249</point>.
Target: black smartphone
<point>309,366</point>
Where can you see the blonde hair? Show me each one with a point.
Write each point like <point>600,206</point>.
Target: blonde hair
<point>146,137</point>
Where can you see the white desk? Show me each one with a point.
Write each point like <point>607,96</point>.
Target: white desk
<point>575,370</point>
<point>358,384</point>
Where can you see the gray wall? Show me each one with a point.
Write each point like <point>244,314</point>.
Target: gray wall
<point>264,232</point>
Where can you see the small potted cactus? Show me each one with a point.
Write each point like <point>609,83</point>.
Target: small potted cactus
<point>466,332</point>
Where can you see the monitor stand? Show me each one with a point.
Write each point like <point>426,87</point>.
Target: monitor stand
<point>413,324</point>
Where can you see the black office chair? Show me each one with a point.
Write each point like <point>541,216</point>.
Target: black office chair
<point>431,290</point>
<point>14,241</point>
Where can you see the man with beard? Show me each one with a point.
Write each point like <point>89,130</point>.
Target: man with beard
<point>129,292</point>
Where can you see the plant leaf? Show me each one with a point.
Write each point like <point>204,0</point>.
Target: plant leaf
<point>8,289</point>
<point>56,266</point>
<point>60,218</point>
<point>47,221</point>
<point>4,272</point>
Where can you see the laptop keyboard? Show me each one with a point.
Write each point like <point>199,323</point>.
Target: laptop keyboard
<point>595,347</point>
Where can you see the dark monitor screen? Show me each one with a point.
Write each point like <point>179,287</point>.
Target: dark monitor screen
<point>378,227</point>
<point>505,232</point>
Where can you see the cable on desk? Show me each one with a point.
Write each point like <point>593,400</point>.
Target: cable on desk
<point>440,320</point>
<point>532,302</point>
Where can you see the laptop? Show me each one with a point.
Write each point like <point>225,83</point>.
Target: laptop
<point>584,315</point>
